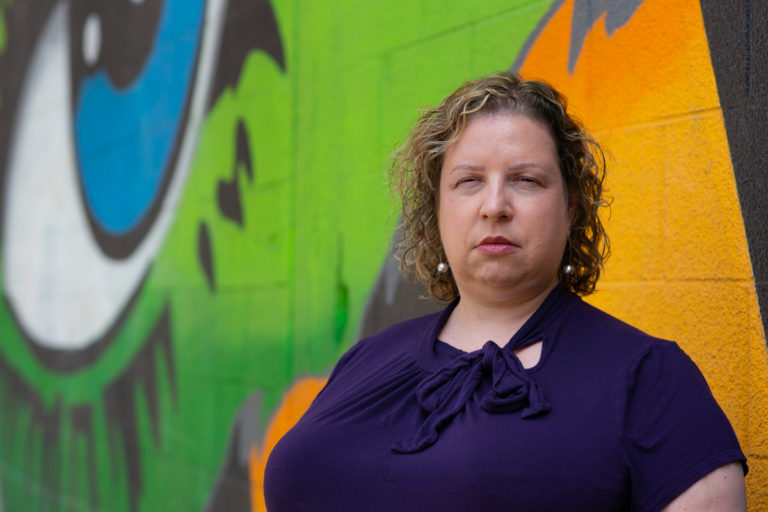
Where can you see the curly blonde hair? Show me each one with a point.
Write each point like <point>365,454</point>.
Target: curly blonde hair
<point>417,163</point>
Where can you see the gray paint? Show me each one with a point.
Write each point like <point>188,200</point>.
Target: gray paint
<point>585,14</point>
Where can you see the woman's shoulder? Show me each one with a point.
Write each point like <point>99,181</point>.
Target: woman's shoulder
<point>399,336</point>
<point>405,328</point>
<point>610,335</point>
<point>394,343</point>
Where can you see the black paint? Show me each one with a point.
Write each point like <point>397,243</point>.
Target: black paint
<point>82,426</point>
<point>251,25</point>
<point>205,255</point>
<point>228,193</point>
<point>738,45</point>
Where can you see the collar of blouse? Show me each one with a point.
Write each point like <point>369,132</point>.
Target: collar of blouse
<point>493,375</point>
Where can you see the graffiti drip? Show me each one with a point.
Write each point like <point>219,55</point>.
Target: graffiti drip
<point>20,401</point>
<point>120,401</point>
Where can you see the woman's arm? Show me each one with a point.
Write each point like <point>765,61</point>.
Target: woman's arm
<point>722,490</point>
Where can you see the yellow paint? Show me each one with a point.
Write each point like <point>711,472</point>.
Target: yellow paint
<point>295,402</point>
<point>681,267</point>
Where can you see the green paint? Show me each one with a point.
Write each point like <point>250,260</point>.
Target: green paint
<point>3,29</point>
<point>342,297</point>
<point>291,282</point>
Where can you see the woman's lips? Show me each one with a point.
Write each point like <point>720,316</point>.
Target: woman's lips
<point>496,245</point>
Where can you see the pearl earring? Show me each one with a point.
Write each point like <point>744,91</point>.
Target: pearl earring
<point>442,267</point>
<point>568,269</point>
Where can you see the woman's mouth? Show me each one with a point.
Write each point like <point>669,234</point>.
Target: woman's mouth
<point>496,245</point>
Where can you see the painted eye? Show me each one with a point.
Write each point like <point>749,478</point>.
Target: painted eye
<point>111,94</point>
<point>129,109</point>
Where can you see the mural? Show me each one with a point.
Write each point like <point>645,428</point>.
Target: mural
<point>102,110</point>
<point>194,222</point>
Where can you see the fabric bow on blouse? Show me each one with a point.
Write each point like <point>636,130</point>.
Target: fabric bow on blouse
<point>447,391</point>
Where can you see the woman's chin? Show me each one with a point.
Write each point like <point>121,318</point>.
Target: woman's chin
<point>507,284</point>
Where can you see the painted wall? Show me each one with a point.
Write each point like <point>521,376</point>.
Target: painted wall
<point>194,222</point>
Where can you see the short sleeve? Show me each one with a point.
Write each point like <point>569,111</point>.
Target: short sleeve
<point>671,429</point>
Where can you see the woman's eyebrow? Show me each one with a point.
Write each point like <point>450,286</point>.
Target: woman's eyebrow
<point>526,165</point>
<point>466,167</point>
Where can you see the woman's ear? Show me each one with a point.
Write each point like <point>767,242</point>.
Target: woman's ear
<point>571,209</point>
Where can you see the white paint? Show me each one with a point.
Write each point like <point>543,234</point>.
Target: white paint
<point>65,292</point>
<point>91,39</point>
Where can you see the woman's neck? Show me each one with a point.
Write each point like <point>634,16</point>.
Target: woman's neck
<point>474,321</point>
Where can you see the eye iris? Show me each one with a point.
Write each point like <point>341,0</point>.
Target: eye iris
<point>125,137</point>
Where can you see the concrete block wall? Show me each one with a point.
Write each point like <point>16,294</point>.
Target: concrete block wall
<point>194,220</point>
<point>687,225</point>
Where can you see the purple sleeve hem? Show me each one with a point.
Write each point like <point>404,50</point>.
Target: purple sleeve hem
<point>689,477</point>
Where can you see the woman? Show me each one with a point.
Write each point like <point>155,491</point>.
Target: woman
<point>519,395</point>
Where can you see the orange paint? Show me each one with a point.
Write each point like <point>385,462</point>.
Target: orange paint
<point>681,267</point>
<point>655,66</point>
<point>295,402</point>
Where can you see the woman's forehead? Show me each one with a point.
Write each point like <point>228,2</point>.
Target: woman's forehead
<point>506,134</point>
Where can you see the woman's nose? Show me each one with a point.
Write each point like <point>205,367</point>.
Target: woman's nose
<point>497,204</point>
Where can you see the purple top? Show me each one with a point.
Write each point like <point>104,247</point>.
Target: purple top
<point>610,419</point>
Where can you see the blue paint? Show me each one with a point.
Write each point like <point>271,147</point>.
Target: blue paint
<point>124,137</point>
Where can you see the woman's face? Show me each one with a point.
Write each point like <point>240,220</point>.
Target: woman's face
<point>503,212</point>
